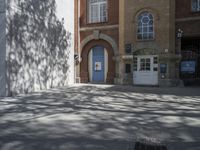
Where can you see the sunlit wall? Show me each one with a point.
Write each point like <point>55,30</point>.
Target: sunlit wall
<point>39,45</point>
<point>2,49</point>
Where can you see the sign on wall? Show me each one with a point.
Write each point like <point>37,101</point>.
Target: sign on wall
<point>163,68</point>
<point>188,66</point>
<point>128,48</point>
<point>97,66</point>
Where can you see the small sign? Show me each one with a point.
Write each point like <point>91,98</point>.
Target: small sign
<point>97,66</point>
<point>128,48</point>
<point>188,66</point>
<point>163,68</point>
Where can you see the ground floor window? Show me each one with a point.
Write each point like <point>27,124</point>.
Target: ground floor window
<point>195,5</point>
<point>145,64</point>
<point>127,68</point>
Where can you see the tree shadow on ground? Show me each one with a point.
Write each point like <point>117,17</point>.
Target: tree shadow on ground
<point>38,46</point>
<point>95,118</point>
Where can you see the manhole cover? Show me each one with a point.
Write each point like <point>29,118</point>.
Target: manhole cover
<point>149,145</point>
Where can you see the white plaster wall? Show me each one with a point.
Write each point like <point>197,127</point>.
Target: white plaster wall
<point>65,9</point>
<point>2,49</point>
<point>37,55</point>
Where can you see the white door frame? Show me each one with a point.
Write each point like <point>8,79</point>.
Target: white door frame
<point>146,74</point>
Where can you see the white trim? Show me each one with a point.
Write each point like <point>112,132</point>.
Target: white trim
<point>102,36</point>
<point>105,65</point>
<point>90,65</point>
<point>105,27</point>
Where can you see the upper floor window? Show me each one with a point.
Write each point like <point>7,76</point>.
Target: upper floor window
<point>195,5</point>
<point>145,26</point>
<point>97,11</point>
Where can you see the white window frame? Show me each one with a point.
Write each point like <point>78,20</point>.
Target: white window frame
<point>195,5</point>
<point>145,65</point>
<point>150,34</point>
<point>101,14</point>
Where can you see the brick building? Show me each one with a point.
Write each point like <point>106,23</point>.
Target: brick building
<point>188,20</point>
<point>137,42</point>
<point>98,27</point>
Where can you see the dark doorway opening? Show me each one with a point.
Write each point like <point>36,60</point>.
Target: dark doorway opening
<point>149,146</point>
<point>190,63</point>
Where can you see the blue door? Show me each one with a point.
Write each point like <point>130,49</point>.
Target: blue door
<point>98,64</point>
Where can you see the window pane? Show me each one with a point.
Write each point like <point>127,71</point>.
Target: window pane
<point>97,10</point>
<point>145,36</point>
<point>128,68</point>
<point>151,22</point>
<point>139,36</point>
<point>194,5</point>
<point>94,13</point>
<point>145,29</point>
<point>148,60</point>
<point>155,60</point>
<point>151,35</point>
<point>135,63</point>
<point>150,29</point>
<point>103,12</point>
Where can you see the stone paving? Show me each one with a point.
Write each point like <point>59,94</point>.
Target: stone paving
<point>101,117</point>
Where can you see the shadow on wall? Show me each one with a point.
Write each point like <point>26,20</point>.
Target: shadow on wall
<point>38,46</point>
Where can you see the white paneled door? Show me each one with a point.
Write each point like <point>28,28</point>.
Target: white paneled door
<point>145,71</point>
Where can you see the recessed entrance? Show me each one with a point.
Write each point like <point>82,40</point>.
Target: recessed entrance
<point>98,64</point>
<point>190,63</point>
<point>145,71</point>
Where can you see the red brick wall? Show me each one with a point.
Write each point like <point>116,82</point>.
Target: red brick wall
<point>183,9</point>
<point>191,28</point>
<point>113,32</point>
<point>113,14</point>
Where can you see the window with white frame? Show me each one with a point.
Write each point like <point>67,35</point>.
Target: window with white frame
<point>195,5</point>
<point>145,26</point>
<point>97,11</point>
<point>145,64</point>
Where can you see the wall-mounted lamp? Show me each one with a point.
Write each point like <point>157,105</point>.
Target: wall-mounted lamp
<point>180,33</point>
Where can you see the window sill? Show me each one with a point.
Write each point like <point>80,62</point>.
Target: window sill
<point>195,12</point>
<point>150,40</point>
<point>97,23</point>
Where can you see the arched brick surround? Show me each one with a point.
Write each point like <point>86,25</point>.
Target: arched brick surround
<point>84,70</point>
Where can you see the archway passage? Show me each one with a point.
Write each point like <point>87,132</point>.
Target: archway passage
<point>190,62</point>
<point>103,71</point>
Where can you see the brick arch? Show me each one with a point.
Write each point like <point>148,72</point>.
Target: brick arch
<point>97,35</point>
<point>84,70</point>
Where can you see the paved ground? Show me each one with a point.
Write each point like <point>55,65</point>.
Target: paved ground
<point>101,117</point>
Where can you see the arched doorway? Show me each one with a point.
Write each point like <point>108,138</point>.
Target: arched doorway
<point>98,64</point>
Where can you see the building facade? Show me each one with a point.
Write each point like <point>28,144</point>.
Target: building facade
<point>188,20</point>
<point>97,40</point>
<point>36,45</point>
<point>135,42</point>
